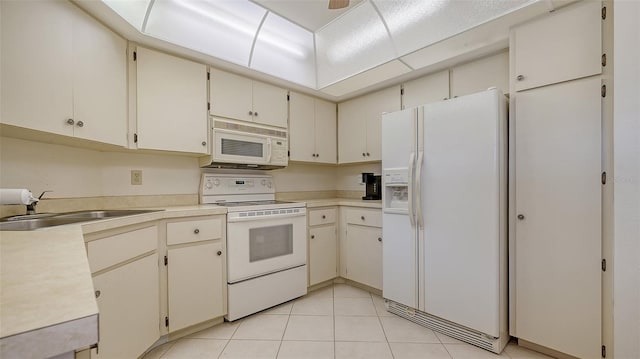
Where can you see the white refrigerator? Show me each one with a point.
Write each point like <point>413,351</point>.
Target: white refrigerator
<point>444,219</point>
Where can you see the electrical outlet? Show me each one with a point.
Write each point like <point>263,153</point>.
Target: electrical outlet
<point>136,177</point>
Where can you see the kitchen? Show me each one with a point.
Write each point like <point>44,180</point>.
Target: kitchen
<point>87,175</point>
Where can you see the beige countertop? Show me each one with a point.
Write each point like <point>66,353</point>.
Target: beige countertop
<point>312,203</point>
<point>47,304</point>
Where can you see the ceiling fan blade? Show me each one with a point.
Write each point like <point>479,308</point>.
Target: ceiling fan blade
<point>338,4</point>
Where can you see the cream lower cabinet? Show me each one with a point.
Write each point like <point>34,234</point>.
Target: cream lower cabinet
<point>196,271</point>
<point>323,248</point>
<point>125,274</point>
<point>361,246</point>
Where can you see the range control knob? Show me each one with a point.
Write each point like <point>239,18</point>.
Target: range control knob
<point>208,184</point>
<point>264,182</point>
<point>268,184</point>
<point>216,182</point>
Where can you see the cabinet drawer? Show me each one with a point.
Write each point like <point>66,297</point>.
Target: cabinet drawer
<point>322,216</point>
<point>364,217</point>
<point>105,252</point>
<point>194,231</point>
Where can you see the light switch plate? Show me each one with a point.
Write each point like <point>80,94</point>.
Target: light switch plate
<point>136,177</point>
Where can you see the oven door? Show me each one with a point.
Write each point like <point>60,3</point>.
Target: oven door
<point>260,244</point>
<point>246,148</point>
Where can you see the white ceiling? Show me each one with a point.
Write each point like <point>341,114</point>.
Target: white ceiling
<point>310,14</point>
<point>340,53</point>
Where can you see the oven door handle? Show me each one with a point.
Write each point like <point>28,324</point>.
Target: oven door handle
<point>259,218</point>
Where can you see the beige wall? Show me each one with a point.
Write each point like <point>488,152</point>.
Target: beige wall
<point>72,172</point>
<point>76,172</point>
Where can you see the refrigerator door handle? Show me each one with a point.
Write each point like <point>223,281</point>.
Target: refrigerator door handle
<point>412,158</point>
<point>419,189</point>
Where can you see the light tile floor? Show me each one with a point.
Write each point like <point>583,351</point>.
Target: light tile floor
<point>338,322</point>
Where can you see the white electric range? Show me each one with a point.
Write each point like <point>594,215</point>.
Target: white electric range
<point>266,242</point>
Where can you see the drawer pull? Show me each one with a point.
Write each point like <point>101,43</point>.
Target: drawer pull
<point>324,217</point>
<point>313,236</point>
<point>98,294</point>
<point>379,239</point>
<point>219,253</point>
<point>362,218</point>
<point>196,231</point>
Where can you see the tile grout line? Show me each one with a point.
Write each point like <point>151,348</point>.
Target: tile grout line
<point>229,340</point>
<point>381,325</point>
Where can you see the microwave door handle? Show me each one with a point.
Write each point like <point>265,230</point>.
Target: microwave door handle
<point>268,150</point>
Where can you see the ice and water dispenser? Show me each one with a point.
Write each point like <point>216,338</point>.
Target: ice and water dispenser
<point>396,189</point>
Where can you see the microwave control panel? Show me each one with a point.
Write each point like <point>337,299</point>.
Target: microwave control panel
<point>279,155</point>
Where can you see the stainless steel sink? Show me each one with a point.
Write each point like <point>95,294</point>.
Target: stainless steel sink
<point>90,215</point>
<point>28,222</point>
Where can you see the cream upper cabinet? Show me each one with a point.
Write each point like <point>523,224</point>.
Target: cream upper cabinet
<point>359,131</point>
<point>62,72</point>
<point>562,46</point>
<point>312,129</point>
<point>427,89</point>
<point>481,74</point>
<point>240,98</point>
<point>171,103</point>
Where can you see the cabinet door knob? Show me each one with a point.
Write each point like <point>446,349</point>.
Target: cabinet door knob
<point>98,294</point>
<point>219,253</point>
<point>368,154</point>
<point>256,113</point>
<point>196,231</point>
<point>520,78</point>
<point>204,143</point>
<point>250,113</point>
<point>80,124</point>
<point>362,218</point>
<point>363,154</point>
<point>317,155</point>
<point>379,239</point>
<point>324,217</point>
<point>521,217</point>
<point>70,121</point>
<point>313,236</point>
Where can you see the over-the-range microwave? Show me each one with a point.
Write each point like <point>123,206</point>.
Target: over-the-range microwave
<point>237,144</point>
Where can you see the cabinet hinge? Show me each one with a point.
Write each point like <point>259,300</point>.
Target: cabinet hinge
<point>604,351</point>
<point>135,56</point>
<point>208,106</point>
<point>401,91</point>
<point>603,90</point>
<point>288,98</point>
<point>604,265</point>
<point>603,178</point>
<point>166,320</point>
<point>604,13</point>
<point>166,260</point>
<point>208,75</point>
<point>604,60</point>
<point>135,138</point>
<point>288,153</point>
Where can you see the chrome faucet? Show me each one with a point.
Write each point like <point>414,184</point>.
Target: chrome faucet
<point>31,207</point>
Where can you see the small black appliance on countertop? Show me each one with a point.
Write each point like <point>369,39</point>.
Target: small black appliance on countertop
<point>373,185</point>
